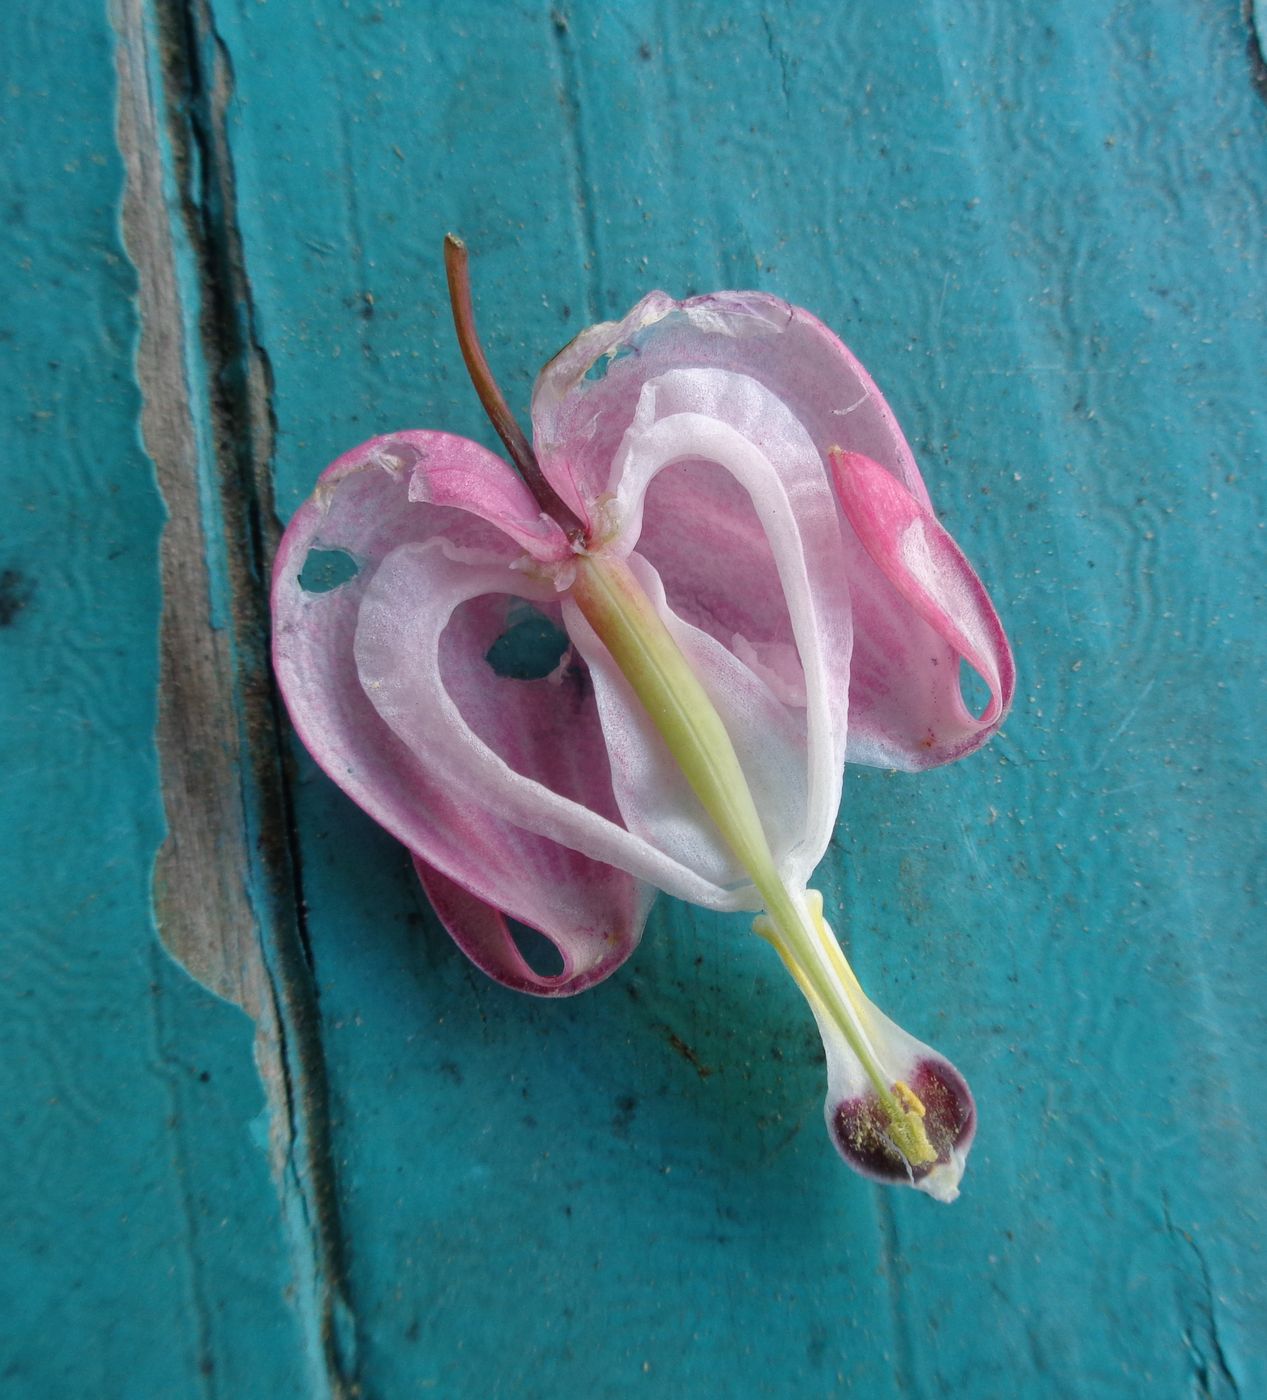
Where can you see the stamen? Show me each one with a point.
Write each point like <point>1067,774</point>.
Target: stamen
<point>810,952</point>
<point>903,1091</point>
<point>495,405</point>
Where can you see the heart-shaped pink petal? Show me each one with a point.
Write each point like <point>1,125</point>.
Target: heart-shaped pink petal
<point>362,509</point>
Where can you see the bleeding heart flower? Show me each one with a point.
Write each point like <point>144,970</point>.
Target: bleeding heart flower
<point>725,520</point>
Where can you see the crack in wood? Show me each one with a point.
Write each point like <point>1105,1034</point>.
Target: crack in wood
<point>1254,24</point>
<point>227,883</point>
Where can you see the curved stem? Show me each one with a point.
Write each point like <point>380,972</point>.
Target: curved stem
<point>495,405</point>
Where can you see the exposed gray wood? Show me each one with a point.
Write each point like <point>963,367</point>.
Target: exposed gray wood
<point>225,891</point>
<point>204,914</point>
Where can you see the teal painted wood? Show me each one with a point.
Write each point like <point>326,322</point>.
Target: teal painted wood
<point>1041,234</point>
<point>141,1252</point>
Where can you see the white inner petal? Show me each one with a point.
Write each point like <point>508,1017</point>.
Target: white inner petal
<point>652,792</point>
<point>404,613</point>
<point>790,502</point>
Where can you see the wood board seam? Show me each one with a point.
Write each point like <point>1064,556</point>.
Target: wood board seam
<point>220,734</point>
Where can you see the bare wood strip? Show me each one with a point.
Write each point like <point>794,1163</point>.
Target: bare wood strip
<point>226,881</point>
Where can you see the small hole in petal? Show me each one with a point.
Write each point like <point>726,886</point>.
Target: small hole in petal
<point>599,368</point>
<point>327,569</point>
<point>530,648</point>
<point>975,692</point>
<point>546,730</point>
<point>536,950</point>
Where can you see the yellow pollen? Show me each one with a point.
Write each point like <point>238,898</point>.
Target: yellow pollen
<point>909,1098</point>
<point>909,1137</point>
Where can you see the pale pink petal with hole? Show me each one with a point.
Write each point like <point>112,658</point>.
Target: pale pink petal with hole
<point>931,579</point>
<point>493,756</point>
<point>592,912</point>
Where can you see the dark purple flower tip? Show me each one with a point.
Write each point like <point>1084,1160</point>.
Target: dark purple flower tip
<point>861,1131</point>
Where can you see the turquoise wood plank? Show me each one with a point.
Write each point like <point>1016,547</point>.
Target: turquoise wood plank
<point>1039,230</point>
<point>141,1252</point>
<point>1041,236</point>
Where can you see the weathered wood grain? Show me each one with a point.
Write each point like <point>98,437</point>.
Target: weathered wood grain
<point>202,875</point>
<point>1039,233</point>
<point>225,881</point>
<point>141,1248</point>
<point>1041,230</point>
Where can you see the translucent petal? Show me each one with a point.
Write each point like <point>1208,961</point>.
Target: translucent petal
<point>500,763</point>
<point>856,1122</point>
<point>593,912</point>
<point>651,790</point>
<point>904,677</point>
<point>787,602</point>
<point>907,698</point>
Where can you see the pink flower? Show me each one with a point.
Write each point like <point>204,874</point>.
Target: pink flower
<point>719,564</point>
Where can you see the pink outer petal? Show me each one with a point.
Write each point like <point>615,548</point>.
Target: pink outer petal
<point>905,706</point>
<point>483,933</point>
<point>578,422</point>
<point>592,912</point>
<point>927,568</point>
<point>465,475</point>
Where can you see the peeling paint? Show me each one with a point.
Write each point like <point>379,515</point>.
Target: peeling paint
<point>226,892</point>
